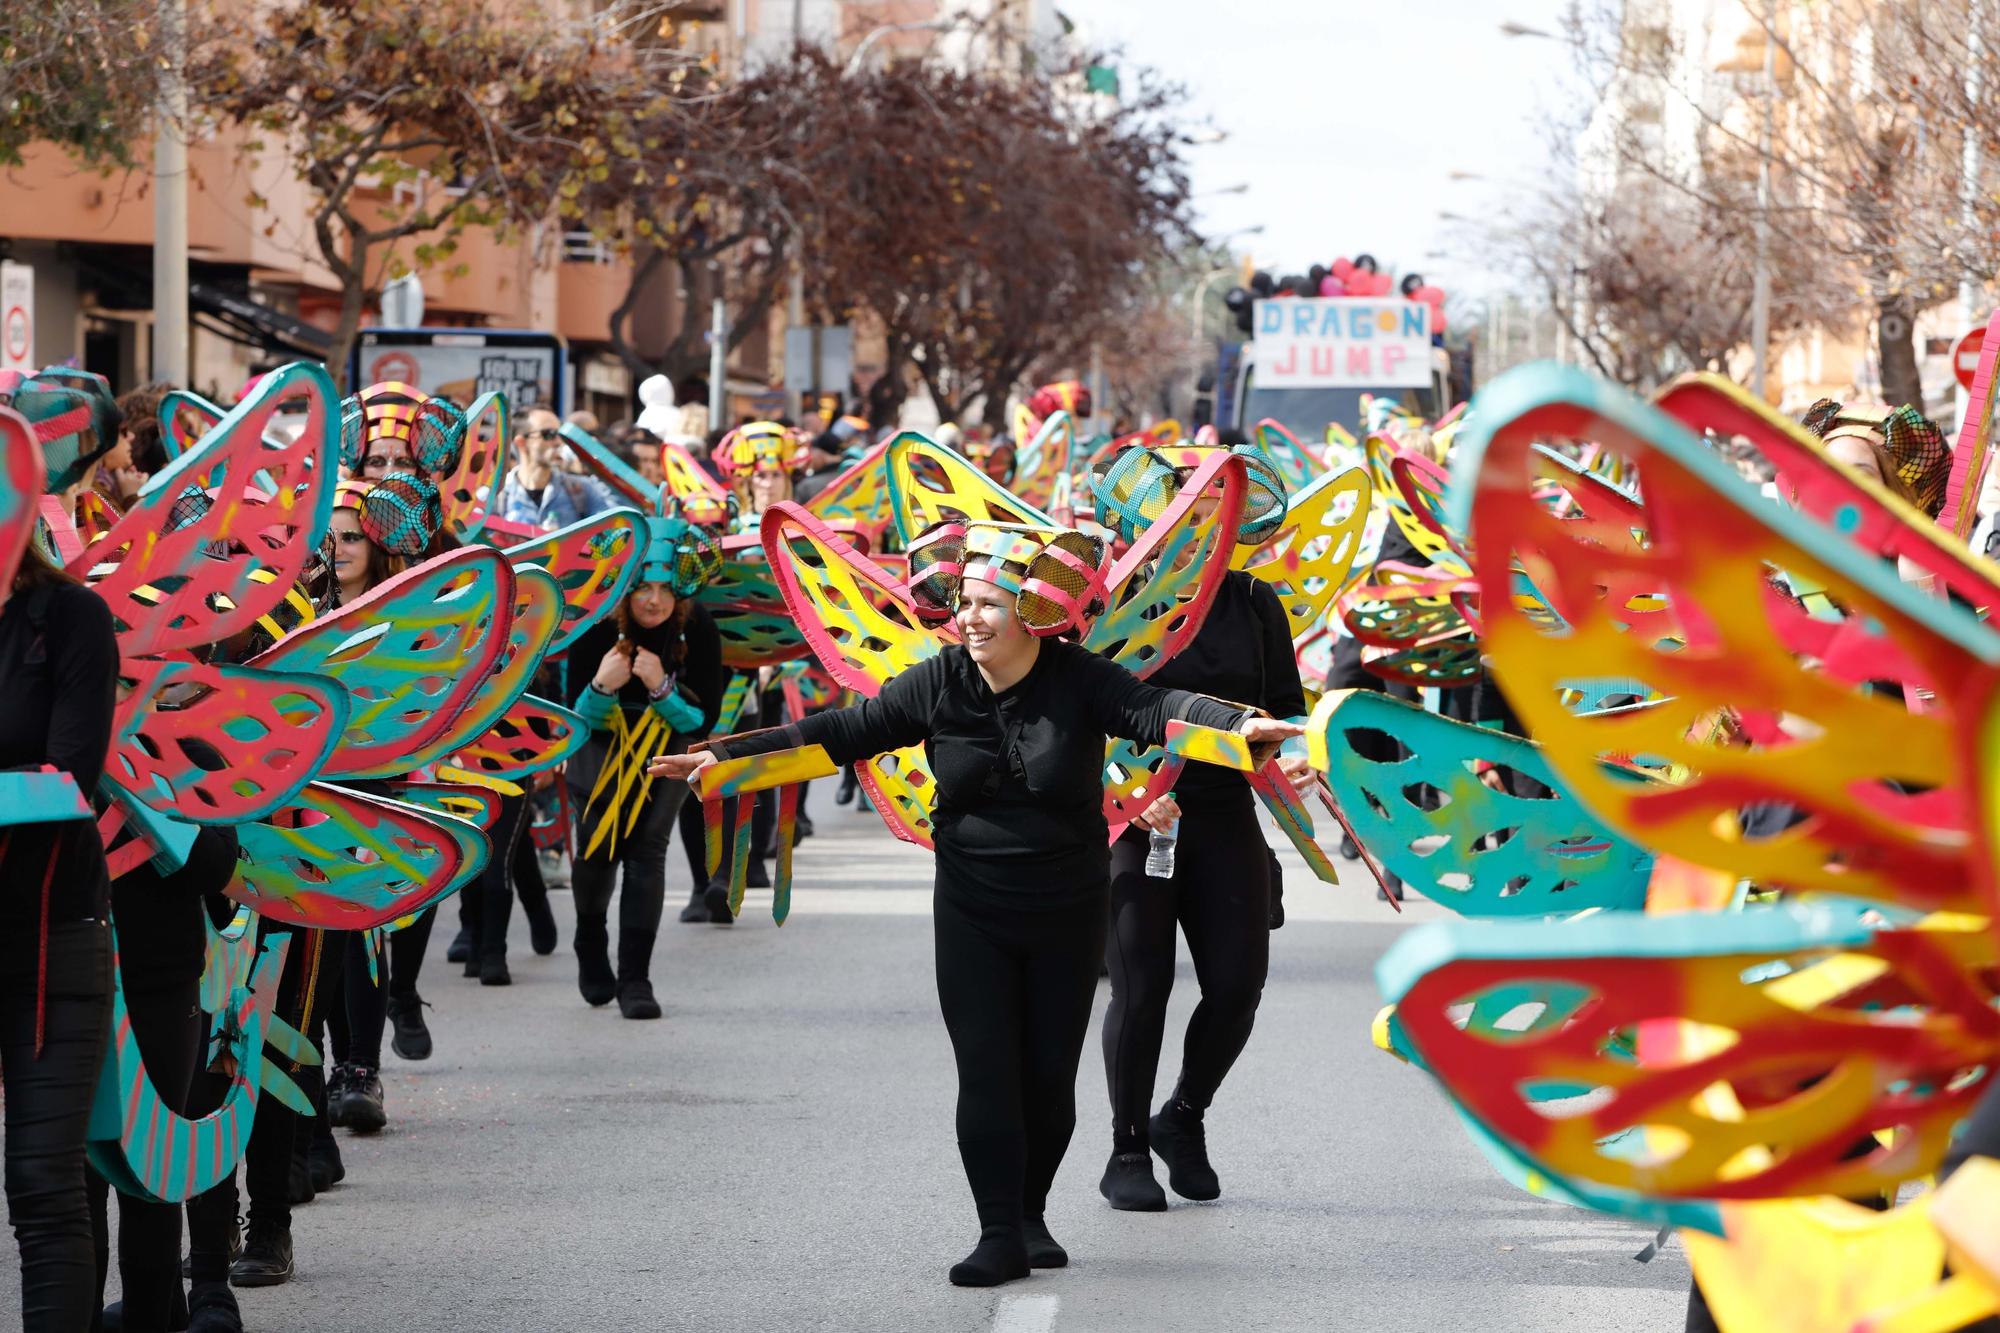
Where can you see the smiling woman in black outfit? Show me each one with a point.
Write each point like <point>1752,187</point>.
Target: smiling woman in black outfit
<point>1014,723</point>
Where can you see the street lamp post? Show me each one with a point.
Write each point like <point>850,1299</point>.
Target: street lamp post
<point>1760,289</point>
<point>858,61</point>
<point>170,226</point>
<point>1200,296</point>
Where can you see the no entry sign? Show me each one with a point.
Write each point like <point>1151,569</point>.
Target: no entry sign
<point>17,317</point>
<point>1965,356</point>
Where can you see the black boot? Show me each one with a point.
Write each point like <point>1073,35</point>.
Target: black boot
<point>460,948</point>
<point>541,922</point>
<point>212,1308</point>
<point>410,1036</point>
<point>593,961</point>
<point>635,963</point>
<point>365,1112</point>
<point>1043,1249</point>
<point>716,898</point>
<point>267,1258</point>
<point>493,970</point>
<point>696,912</point>
<point>1129,1185</point>
<point>324,1164</point>
<point>1182,1143</point>
<point>299,1189</point>
<point>1001,1256</point>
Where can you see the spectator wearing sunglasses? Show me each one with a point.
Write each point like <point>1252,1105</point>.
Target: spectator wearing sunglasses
<point>538,491</point>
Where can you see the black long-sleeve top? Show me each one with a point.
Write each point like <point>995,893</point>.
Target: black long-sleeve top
<point>1035,837</point>
<point>1242,653</point>
<point>701,677</point>
<point>58,685</point>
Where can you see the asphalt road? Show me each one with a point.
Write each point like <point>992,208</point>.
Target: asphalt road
<point>777,1154</point>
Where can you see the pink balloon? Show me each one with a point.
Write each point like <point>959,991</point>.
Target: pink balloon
<point>1332,286</point>
<point>1343,268</point>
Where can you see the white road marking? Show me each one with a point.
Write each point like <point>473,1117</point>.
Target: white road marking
<point>1025,1314</point>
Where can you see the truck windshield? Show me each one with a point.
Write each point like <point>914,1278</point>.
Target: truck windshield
<point>1306,412</point>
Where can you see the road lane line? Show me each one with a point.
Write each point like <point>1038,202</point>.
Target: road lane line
<point>1025,1314</point>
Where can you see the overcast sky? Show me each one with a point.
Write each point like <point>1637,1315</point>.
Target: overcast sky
<point>1346,118</point>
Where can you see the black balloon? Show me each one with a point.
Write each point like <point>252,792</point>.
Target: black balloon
<point>1260,283</point>
<point>1237,299</point>
<point>1367,264</point>
<point>1411,281</point>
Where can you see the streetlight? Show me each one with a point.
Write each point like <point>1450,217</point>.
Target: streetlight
<point>1243,188</point>
<point>1207,136</point>
<point>1509,28</point>
<point>1201,295</point>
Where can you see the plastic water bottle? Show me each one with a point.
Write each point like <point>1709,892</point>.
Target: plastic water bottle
<point>1160,851</point>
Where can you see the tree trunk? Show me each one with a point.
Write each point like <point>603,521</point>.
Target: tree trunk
<point>353,301</point>
<point>1896,332</point>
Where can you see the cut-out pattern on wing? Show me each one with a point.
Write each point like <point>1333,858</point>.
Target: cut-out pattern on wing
<point>278,530</point>
<point>139,1143</point>
<point>929,483</point>
<point>185,416</point>
<point>858,498</point>
<point>269,733</point>
<point>22,472</point>
<point>594,560</point>
<point>337,859</point>
<point>1760,702</point>
<point>1295,463</point>
<point>532,735</point>
<point>95,516</point>
<point>1406,780</point>
<point>1864,511</point>
<point>749,609</point>
<point>1160,590</point>
<point>904,792</point>
<point>1422,485</point>
<point>537,618</point>
<point>1788,1082</point>
<point>1382,453</point>
<point>410,654</point>
<point>477,806</point>
<point>1135,776</point>
<point>1041,454</point>
<point>620,476</point>
<point>1310,560</point>
<point>859,622</point>
<point>474,484</point>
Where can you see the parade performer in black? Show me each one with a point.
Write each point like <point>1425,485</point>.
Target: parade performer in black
<point>59,676</point>
<point>1014,722</point>
<point>1219,893</point>
<point>647,678</point>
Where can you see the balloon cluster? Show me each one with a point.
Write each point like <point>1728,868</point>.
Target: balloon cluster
<point>1359,276</point>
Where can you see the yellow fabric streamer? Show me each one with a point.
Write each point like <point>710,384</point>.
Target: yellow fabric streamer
<point>624,769</point>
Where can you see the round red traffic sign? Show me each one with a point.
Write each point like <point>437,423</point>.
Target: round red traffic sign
<point>1965,355</point>
<point>16,334</point>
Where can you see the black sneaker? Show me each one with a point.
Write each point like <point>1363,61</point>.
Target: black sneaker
<point>1044,1251</point>
<point>235,1247</point>
<point>1128,1183</point>
<point>493,971</point>
<point>336,1088</point>
<point>758,877</point>
<point>363,1099</point>
<point>696,912</point>
<point>1348,849</point>
<point>460,947</point>
<point>267,1259</point>
<point>409,1036</point>
<point>1182,1143</point>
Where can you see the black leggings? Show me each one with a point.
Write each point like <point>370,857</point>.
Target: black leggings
<point>354,1019</point>
<point>169,1026</point>
<point>47,1110</point>
<point>643,855</point>
<point>310,981</point>
<point>1220,896</point>
<point>1016,990</point>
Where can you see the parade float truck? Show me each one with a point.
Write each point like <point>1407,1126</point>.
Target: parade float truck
<point>1312,359</point>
